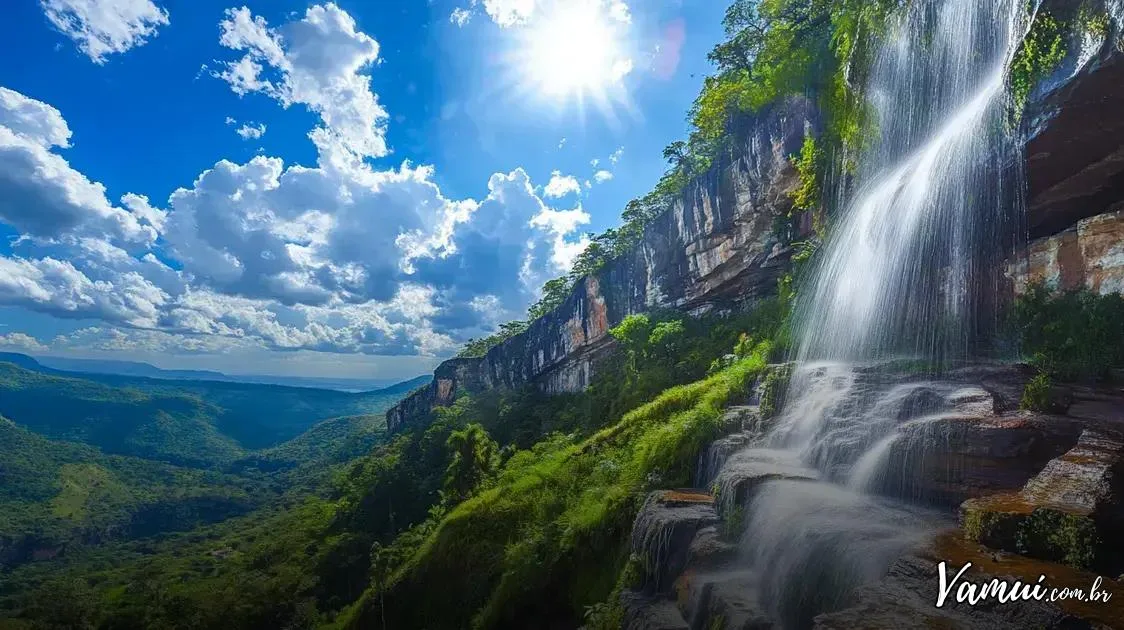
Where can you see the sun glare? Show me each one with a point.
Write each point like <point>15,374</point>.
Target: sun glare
<point>575,50</point>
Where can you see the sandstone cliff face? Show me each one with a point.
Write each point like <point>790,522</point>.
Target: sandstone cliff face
<point>1089,255</point>
<point>715,248</point>
<point>1075,173</point>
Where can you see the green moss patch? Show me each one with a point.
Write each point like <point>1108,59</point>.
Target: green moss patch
<point>1009,523</point>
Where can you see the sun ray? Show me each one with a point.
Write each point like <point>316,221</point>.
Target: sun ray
<point>574,54</point>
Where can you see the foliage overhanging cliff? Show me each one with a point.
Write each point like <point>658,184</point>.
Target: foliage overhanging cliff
<point>508,493</point>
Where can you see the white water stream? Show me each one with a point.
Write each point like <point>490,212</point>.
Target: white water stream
<point>902,274</point>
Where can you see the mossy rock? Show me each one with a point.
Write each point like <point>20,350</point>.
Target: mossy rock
<point>1008,523</point>
<point>774,389</point>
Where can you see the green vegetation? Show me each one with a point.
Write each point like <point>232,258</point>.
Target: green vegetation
<point>123,496</point>
<point>504,509</point>
<point>328,443</point>
<point>1036,394</point>
<point>774,390</point>
<point>1042,50</point>
<point>1008,523</point>
<point>55,495</point>
<point>539,488</point>
<point>808,165</point>
<point>1070,336</point>
<point>549,538</point>
<point>474,463</point>
<point>189,423</point>
<point>476,348</point>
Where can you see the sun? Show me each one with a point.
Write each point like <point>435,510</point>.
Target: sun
<point>574,51</point>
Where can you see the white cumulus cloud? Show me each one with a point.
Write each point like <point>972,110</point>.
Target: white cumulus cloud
<point>460,16</point>
<point>319,61</point>
<point>104,27</point>
<point>336,256</point>
<point>561,185</point>
<point>250,131</point>
<point>21,341</point>
<point>40,194</point>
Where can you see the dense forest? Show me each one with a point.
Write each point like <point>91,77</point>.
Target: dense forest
<point>134,503</point>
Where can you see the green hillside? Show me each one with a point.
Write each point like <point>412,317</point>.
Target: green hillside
<point>193,423</point>
<point>56,494</point>
<point>167,426</point>
<point>328,443</point>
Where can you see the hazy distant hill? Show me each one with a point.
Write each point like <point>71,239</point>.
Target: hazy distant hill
<point>136,368</point>
<point>191,422</point>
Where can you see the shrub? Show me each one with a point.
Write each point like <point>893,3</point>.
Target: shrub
<point>1072,335</point>
<point>1036,394</point>
<point>1040,52</point>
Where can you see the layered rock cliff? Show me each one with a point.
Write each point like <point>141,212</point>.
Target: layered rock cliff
<point>1075,177</point>
<point>715,248</point>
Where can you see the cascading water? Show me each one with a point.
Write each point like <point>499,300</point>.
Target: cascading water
<point>906,272</point>
<point>921,204</point>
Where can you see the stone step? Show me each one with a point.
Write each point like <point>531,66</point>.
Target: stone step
<point>650,612</point>
<point>746,471</point>
<point>709,550</point>
<point>721,600</point>
<point>951,458</point>
<point>664,529</point>
<point>1070,512</point>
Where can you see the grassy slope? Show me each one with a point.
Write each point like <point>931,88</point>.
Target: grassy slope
<point>327,443</point>
<point>551,536</point>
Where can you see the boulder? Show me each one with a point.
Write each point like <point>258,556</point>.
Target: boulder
<point>643,611</point>
<point>723,600</point>
<point>745,472</point>
<point>710,550</point>
<point>663,532</point>
<point>1070,512</point>
<point>952,457</point>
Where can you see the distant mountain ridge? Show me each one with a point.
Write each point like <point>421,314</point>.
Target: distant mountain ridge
<point>146,370</point>
<point>180,421</point>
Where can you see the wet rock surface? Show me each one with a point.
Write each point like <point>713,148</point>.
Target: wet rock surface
<point>664,530</point>
<point>906,598</point>
<point>1075,156</point>
<point>710,550</point>
<point>1070,512</point>
<point>959,437</point>
<point>952,458</point>
<point>650,612</point>
<point>722,600</point>
<point>746,471</point>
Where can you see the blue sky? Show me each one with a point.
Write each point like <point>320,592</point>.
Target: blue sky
<point>347,189</point>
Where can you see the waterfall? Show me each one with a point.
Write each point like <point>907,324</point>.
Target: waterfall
<point>898,273</point>
<point>907,271</point>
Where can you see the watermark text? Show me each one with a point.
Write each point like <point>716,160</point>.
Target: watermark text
<point>963,591</point>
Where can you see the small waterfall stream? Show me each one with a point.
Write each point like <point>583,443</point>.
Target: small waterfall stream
<point>904,274</point>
